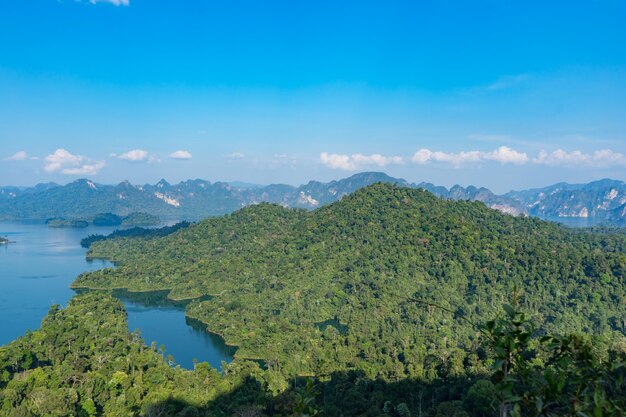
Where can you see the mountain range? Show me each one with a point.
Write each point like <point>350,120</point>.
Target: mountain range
<point>598,202</point>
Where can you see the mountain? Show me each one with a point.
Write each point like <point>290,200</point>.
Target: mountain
<point>192,199</point>
<point>371,267</point>
<point>602,201</point>
<point>81,198</point>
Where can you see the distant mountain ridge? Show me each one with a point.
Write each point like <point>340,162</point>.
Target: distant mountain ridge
<point>603,200</point>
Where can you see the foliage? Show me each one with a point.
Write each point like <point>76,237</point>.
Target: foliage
<point>140,219</point>
<point>106,219</point>
<point>276,273</point>
<point>133,219</point>
<point>82,361</point>
<point>362,308</point>
<point>135,232</point>
<point>556,375</point>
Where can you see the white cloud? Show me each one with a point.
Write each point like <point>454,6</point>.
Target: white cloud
<point>18,156</point>
<point>136,155</point>
<point>114,2</point>
<point>61,158</point>
<point>357,161</point>
<point>70,164</point>
<point>601,158</point>
<point>180,155</point>
<point>235,155</point>
<point>506,155</point>
<point>87,169</point>
<point>503,154</point>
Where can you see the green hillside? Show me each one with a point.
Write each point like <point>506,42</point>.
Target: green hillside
<point>83,362</point>
<point>383,281</point>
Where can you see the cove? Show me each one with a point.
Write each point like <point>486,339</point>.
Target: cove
<point>36,271</point>
<point>163,322</point>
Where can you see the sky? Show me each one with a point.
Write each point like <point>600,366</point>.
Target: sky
<point>503,94</point>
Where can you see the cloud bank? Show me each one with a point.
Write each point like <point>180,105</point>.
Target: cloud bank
<point>67,163</point>
<point>503,155</point>
<point>181,154</point>
<point>357,161</point>
<point>136,155</point>
<point>601,159</point>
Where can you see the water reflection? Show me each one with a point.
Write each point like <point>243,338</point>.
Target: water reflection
<point>163,321</point>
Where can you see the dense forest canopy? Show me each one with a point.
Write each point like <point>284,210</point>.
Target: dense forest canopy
<point>391,302</point>
<point>376,262</point>
<point>83,362</point>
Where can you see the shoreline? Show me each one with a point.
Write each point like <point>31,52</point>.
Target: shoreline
<point>205,325</point>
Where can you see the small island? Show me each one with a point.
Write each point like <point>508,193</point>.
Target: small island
<point>141,219</point>
<point>3,240</point>
<point>107,219</point>
<point>59,222</point>
<point>133,219</point>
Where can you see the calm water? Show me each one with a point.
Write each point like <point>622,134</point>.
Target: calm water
<point>37,270</point>
<point>575,221</point>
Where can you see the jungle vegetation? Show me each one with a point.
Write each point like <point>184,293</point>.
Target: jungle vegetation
<point>374,262</point>
<point>84,362</point>
<point>136,232</point>
<point>390,301</point>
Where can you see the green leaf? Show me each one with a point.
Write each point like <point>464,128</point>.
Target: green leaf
<point>510,311</point>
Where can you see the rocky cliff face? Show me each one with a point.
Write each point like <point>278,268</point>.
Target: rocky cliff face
<point>603,200</point>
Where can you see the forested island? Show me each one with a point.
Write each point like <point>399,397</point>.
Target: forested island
<point>133,219</point>
<point>3,241</point>
<point>136,232</point>
<point>107,219</point>
<point>61,222</point>
<point>390,302</point>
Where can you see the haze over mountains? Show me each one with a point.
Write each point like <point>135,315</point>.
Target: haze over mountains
<point>602,201</point>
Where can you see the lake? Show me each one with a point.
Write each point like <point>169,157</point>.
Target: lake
<point>38,268</point>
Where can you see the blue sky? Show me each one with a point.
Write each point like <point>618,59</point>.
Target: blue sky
<point>505,94</point>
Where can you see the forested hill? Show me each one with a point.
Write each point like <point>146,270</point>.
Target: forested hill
<point>383,281</point>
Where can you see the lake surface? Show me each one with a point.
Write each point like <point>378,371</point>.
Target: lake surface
<point>576,222</point>
<point>38,268</point>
